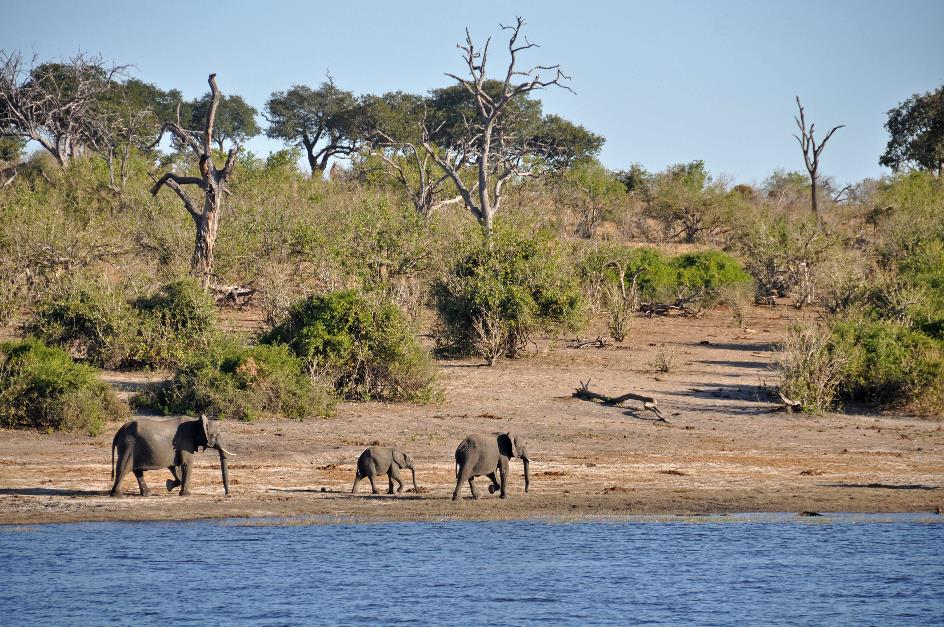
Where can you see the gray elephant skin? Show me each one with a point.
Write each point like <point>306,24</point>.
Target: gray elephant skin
<point>383,460</point>
<point>484,454</point>
<point>155,443</point>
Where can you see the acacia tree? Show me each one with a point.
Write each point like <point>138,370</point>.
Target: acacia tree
<point>916,133</point>
<point>498,150</point>
<point>324,121</point>
<point>55,104</point>
<point>212,182</point>
<point>235,119</point>
<point>811,153</point>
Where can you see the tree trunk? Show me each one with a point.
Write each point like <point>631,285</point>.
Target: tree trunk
<point>813,203</point>
<point>201,264</point>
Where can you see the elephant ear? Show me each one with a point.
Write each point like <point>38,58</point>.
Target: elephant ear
<point>399,458</point>
<point>513,445</point>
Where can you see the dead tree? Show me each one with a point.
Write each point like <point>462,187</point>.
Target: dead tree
<point>211,180</point>
<point>55,104</point>
<point>648,402</point>
<point>811,153</point>
<point>425,190</point>
<point>498,154</point>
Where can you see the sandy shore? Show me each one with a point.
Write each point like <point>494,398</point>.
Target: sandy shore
<point>725,449</point>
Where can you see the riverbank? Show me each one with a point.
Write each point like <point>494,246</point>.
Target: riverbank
<point>726,447</point>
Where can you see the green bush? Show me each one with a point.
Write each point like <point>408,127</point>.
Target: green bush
<point>107,330</point>
<point>889,363</point>
<point>810,368</point>
<point>501,292</point>
<point>703,275</point>
<point>699,275</point>
<point>368,350</point>
<point>244,383</point>
<point>43,388</point>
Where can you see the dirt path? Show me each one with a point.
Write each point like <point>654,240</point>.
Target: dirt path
<point>724,449</point>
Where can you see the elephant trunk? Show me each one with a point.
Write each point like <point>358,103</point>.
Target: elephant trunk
<point>224,470</point>
<point>527,476</point>
<point>413,472</point>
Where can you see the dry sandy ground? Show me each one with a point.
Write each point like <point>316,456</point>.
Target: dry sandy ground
<point>726,448</point>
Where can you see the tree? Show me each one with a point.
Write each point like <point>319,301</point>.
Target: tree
<point>592,191</point>
<point>691,204</point>
<point>235,119</point>
<point>916,133</point>
<point>55,104</point>
<point>397,134</point>
<point>487,137</point>
<point>811,153</point>
<point>324,121</point>
<point>211,180</point>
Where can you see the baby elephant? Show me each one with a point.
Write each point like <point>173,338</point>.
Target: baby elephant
<point>380,460</point>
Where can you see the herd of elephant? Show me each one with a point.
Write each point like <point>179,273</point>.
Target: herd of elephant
<point>155,443</point>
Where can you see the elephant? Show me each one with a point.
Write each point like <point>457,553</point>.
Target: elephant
<point>379,460</point>
<point>153,443</point>
<point>483,454</point>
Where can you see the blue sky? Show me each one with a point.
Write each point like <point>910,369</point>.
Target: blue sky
<point>664,82</point>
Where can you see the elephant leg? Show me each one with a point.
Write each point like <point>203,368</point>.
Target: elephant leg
<point>139,475</point>
<point>475,493</point>
<point>124,465</point>
<point>461,477</point>
<point>185,478</point>
<point>176,481</point>
<point>373,486</point>
<point>357,477</point>
<point>503,469</point>
<point>394,475</point>
<point>494,485</point>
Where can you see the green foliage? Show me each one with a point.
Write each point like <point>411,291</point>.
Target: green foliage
<point>11,149</point>
<point>889,363</point>
<point>916,133</point>
<point>593,192</point>
<point>702,275</point>
<point>101,325</point>
<point>43,388</point>
<point>691,204</point>
<point>230,380</point>
<point>235,119</point>
<point>691,276</point>
<point>501,291</point>
<point>367,350</point>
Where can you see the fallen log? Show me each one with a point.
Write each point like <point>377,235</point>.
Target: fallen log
<point>233,295</point>
<point>600,342</point>
<point>648,402</point>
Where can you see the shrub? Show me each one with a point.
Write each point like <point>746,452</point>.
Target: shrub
<point>889,363</point>
<point>368,350</point>
<point>100,325</point>
<point>43,388</point>
<point>701,276</point>
<point>243,383</point>
<point>810,368</point>
<point>501,292</point>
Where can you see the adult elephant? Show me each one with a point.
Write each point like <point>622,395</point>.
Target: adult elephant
<point>154,443</point>
<point>484,454</point>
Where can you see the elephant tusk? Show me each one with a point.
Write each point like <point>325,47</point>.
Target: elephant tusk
<point>227,453</point>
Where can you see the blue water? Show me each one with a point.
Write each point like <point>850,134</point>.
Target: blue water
<point>843,570</point>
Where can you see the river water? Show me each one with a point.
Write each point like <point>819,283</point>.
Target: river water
<point>746,569</point>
